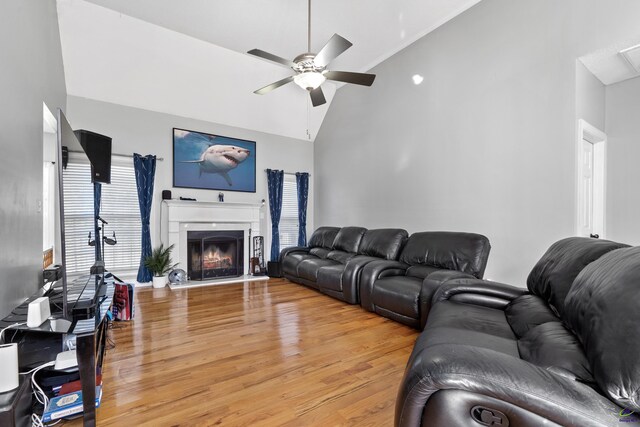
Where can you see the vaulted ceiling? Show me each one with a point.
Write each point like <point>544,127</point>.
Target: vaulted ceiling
<point>188,57</point>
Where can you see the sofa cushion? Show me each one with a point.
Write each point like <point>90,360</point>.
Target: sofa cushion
<point>323,237</point>
<point>421,271</point>
<point>469,317</point>
<point>383,243</point>
<point>602,308</point>
<point>319,252</point>
<point>330,277</point>
<point>466,252</point>
<point>552,277</point>
<point>527,312</point>
<point>308,269</point>
<point>340,256</point>
<point>398,294</point>
<point>291,261</point>
<point>451,322</point>
<point>348,239</point>
<point>551,346</point>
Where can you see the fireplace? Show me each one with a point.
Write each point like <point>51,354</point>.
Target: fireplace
<point>215,254</point>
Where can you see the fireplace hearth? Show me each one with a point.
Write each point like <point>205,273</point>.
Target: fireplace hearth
<point>215,254</point>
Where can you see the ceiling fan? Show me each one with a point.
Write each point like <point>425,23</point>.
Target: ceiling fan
<point>310,68</point>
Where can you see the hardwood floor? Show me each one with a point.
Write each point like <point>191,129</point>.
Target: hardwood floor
<point>259,354</point>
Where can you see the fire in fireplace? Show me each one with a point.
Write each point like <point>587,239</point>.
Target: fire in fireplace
<point>215,254</point>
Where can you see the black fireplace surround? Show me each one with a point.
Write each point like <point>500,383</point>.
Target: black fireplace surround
<point>215,254</point>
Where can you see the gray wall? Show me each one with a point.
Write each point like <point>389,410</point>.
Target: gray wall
<point>30,72</point>
<point>590,97</point>
<point>623,161</point>
<point>485,143</point>
<point>148,132</point>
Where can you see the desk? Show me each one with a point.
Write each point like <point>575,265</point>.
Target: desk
<point>44,342</point>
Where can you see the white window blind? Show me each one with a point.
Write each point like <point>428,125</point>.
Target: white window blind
<point>119,208</point>
<point>289,214</point>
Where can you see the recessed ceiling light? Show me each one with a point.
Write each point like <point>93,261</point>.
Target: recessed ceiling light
<point>417,79</point>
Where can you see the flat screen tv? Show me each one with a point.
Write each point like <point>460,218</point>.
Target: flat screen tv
<point>213,162</point>
<point>66,138</point>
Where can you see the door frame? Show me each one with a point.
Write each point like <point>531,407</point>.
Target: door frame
<point>598,138</point>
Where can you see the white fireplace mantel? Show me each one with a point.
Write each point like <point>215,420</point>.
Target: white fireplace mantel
<point>180,216</point>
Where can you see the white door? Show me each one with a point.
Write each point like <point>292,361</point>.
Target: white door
<point>591,179</point>
<point>586,188</point>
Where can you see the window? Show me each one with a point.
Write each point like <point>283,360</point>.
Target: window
<point>289,214</point>
<point>119,207</point>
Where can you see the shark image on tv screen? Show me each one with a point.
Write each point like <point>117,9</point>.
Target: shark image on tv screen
<point>213,162</point>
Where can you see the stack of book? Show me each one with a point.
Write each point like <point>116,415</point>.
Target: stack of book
<point>68,401</point>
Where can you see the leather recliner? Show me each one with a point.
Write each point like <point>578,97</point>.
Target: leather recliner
<point>319,245</point>
<point>563,352</point>
<point>400,290</point>
<point>335,269</point>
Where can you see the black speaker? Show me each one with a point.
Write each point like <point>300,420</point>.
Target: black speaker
<point>274,269</point>
<point>166,194</point>
<point>98,149</point>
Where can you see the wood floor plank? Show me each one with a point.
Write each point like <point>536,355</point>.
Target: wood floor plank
<point>267,353</point>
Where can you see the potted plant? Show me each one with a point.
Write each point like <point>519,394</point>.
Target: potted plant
<point>159,263</point>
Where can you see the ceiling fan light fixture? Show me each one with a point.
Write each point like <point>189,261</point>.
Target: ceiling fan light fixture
<point>309,80</point>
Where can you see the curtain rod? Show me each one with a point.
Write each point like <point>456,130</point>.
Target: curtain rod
<point>288,173</point>
<point>129,156</point>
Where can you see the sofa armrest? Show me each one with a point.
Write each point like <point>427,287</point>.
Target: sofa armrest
<point>290,249</point>
<point>376,270</point>
<point>431,284</point>
<point>477,291</point>
<point>351,277</point>
<point>494,375</point>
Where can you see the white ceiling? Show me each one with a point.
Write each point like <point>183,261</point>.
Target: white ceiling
<point>188,57</point>
<point>610,66</point>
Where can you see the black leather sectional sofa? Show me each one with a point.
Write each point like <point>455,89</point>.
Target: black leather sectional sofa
<point>334,258</point>
<point>562,352</point>
<point>565,351</point>
<point>340,261</point>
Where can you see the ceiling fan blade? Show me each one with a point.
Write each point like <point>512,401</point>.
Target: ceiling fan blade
<point>334,47</point>
<point>347,77</point>
<point>273,86</point>
<point>317,96</point>
<point>271,57</point>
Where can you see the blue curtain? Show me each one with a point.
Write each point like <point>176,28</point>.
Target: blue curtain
<point>302,181</point>
<point>145,168</point>
<point>275,180</point>
<point>97,197</point>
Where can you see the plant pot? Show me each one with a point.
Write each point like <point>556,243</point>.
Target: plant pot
<point>159,281</point>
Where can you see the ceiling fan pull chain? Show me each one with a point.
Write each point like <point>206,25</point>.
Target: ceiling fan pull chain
<point>309,27</point>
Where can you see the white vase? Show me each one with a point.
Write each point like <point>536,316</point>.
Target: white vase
<point>159,281</point>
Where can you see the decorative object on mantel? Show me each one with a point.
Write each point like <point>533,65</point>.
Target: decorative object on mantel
<point>275,182</point>
<point>159,263</point>
<point>213,162</point>
<point>310,68</point>
<point>166,194</point>
<point>221,197</point>
<point>187,199</point>
<point>145,171</point>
